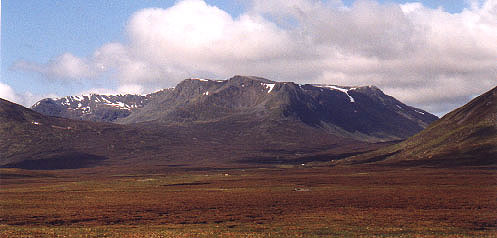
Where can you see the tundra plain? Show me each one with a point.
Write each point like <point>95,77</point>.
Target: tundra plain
<point>273,201</point>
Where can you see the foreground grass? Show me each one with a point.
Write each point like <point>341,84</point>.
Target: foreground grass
<point>294,202</point>
<point>224,231</point>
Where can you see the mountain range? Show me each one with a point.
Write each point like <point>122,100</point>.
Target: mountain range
<point>361,113</point>
<point>240,121</point>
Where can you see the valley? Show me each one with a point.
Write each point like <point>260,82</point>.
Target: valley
<point>247,157</point>
<point>242,120</point>
<point>253,119</point>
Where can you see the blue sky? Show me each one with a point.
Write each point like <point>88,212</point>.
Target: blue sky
<point>39,31</point>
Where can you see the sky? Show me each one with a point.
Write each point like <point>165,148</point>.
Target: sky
<point>436,55</point>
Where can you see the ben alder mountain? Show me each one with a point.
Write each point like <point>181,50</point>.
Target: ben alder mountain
<point>362,113</point>
<point>206,122</point>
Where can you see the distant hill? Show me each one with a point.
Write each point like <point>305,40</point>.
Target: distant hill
<point>29,139</point>
<point>93,107</point>
<point>465,136</point>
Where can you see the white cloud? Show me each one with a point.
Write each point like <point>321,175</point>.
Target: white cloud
<point>101,91</point>
<point>7,93</point>
<point>425,57</point>
<point>192,38</point>
<point>66,66</point>
<point>131,89</point>
<point>122,89</point>
<point>26,99</point>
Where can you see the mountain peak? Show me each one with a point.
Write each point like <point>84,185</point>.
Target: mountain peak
<point>205,80</point>
<point>242,78</point>
<point>92,107</point>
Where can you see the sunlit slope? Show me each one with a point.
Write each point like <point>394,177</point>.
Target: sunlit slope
<point>465,136</point>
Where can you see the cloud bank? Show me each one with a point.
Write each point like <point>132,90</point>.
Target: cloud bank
<point>7,93</point>
<point>27,99</point>
<point>66,66</point>
<point>425,57</point>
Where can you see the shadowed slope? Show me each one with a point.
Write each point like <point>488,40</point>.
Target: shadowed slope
<point>33,141</point>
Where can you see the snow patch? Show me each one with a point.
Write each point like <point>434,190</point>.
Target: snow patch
<point>343,90</point>
<point>420,112</point>
<point>269,86</point>
<point>199,79</point>
<point>66,101</point>
<point>120,105</point>
<point>79,98</point>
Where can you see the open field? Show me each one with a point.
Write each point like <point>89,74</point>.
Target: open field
<point>295,201</point>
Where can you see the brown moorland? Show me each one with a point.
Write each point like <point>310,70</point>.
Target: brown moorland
<point>278,201</point>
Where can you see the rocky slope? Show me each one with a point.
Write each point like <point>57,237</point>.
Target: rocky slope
<point>465,136</point>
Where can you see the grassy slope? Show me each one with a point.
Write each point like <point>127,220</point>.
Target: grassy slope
<point>465,136</point>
